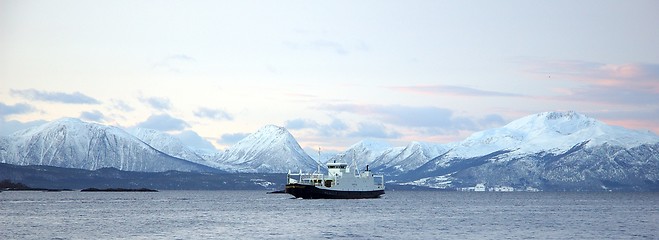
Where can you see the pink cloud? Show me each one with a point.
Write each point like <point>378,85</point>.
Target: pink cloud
<point>637,124</point>
<point>622,70</point>
<point>597,73</point>
<point>641,119</point>
<point>449,90</point>
<point>617,84</point>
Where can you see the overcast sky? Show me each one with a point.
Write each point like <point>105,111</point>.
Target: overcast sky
<point>332,72</point>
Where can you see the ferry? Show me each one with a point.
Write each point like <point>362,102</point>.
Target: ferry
<point>341,182</point>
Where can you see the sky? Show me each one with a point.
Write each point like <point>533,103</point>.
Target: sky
<point>331,72</point>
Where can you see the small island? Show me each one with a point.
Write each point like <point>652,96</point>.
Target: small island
<point>118,190</point>
<point>8,185</point>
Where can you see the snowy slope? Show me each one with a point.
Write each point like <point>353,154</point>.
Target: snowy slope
<point>399,160</point>
<point>271,149</point>
<point>549,132</point>
<point>170,145</point>
<point>551,150</point>
<point>362,153</point>
<point>72,143</point>
<point>382,157</point>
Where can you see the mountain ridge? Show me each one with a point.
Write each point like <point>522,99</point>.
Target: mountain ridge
<point>549,150</point>
<point>546,151</point>
<point>170,145</point>
<point>270,149</point>
<point>69,142</point>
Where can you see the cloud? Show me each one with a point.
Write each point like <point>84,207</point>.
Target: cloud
<point>429,120</point>
<point>163,122</point>
<point>324,45</point>
<point>416,116</point>
<point>373,130</point>
<point>180,57</point>
<point>400,115</point>
<point>16,109</point>
<point>335,128</point>
<point>452,91</point>
<point>95,116</point>
<point>60,97</point>
<point>231,138</point>
<point>174,63</point>
<point>491,120</point>
<point>160,104</point>
<point>336,47</point>
<point>325,153</point>
<point>618,84</point>
<point>121,105</point>
<point>215,114</point>
<point>192,139</point>
<point>642,119</point>
<point>336,125</point>
<point>593,72</point>
<point>9,127</point>
<point>300,123</point>
<point>623,95</point>
<point>644,114</point>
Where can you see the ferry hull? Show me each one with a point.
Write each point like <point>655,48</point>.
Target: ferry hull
<point>312,192</point>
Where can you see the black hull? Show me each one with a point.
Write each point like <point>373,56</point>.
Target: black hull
<point>312,192</point>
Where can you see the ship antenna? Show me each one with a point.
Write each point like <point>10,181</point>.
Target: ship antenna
<point>319,160</point>
<point>354,161</point>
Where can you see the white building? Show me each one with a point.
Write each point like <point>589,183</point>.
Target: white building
<point>479,187</point>
<point>502,189</point>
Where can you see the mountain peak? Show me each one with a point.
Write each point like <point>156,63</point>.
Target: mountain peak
<point>270,149</point>
<point>70,142</point>
<point>561,115</point>
<point>363,152</point>
<point>67,125</point>
<point>564,123</point>
<point>372,144</point>
<point>551,131</point>
<point>269,135</point>
<point>272,130</point>
<point>169,144</point>
<point>68,120</point>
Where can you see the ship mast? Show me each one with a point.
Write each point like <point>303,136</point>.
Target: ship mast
<point>354,162</point>
<point>318,159</point>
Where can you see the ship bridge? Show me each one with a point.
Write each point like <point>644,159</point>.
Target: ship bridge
<point>337,169</point>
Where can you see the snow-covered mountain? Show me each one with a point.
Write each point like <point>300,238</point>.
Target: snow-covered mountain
<point>399,160</point>
<point>362,153</point>
<point>271,149</point>
<point>171,145</point>
<point>383,157</point>
<point>72,143</point>
<point>547,151</point>
<point>551,150</point>
<point>549,132</point>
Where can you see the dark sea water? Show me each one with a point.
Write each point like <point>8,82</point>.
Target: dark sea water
<point>397,215</point>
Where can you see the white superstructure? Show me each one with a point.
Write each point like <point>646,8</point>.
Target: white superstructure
<point>341,181</point>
